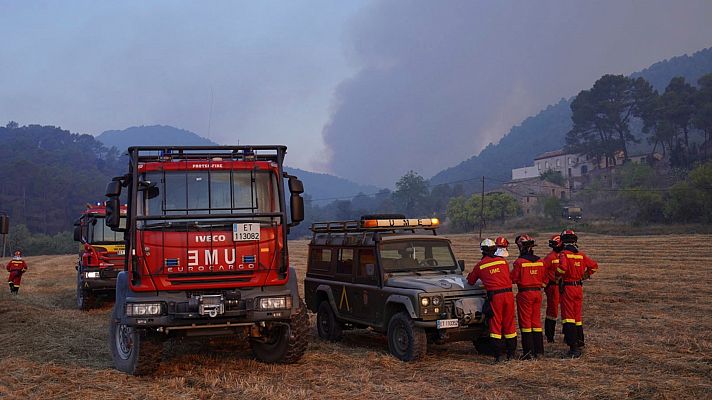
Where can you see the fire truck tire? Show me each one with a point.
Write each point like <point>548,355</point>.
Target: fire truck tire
<point>134,351</point>
<point>327,326</point>
<point>405,340</point>
<point>288,345</point>
<point>85,298</point>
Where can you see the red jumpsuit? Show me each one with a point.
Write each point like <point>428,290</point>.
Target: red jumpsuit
<point>529,274</point>
<point>494,274</point>
<point>16,269</point>
<point>573,265</point>
<point>551,261</point>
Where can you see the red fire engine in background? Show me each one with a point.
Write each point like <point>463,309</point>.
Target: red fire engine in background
<point>101,255</point>
<point>206,252</point>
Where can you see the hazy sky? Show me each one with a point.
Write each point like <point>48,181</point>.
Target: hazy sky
<point>366,90</point>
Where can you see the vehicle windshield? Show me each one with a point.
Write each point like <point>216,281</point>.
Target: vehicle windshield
<point>98,232</point>
<point>209,192</point>
<point>416,255</point>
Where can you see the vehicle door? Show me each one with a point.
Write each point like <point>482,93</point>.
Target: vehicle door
<point>342,289</point>
<point>368,297</point>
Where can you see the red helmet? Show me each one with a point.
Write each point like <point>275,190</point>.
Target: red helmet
<point>569,236</point>
<point>18,253</point>
<point>524,242</point>
<point>501,241</point>
<point>555,241</point>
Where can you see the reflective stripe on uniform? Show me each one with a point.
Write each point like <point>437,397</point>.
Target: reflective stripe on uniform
<point>579,323</point>
<point>561,271</point>
<point>511,335</point>
<point>551,318</point>
<point>533,264</point>
<point>495,336</point>
<point>493,263</point>
<point>526,330</point>
<point>536,329</point>
<point>568,321</point>
<point>576,256</point>
<point>555,261</point>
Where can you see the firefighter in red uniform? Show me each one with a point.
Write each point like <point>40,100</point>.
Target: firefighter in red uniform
<point>16,267</point>
<point>493,271</point>
<point>529,275</point>
<point>551,261</point>
<point>502,244</point>
<point>574,267</point>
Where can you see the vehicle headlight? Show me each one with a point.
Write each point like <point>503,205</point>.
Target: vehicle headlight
<point>94,274</point>
<point>425,301</point>
<point>143,309</point>
<point>436,301</point>
<point>274,303</point>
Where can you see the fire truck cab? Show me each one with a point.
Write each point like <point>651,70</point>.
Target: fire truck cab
<point>101,255</point>
<point>206,252</point>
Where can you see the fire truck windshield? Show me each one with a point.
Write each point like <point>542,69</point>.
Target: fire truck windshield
<point>209,192</point>
<point>98,232</point>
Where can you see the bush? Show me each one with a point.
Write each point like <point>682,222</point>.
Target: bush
<point>39,244</point>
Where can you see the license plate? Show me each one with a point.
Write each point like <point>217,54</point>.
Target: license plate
<point>245,232</point>
<point>447,323</point>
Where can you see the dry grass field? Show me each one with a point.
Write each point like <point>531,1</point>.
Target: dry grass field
<point>647,314</point>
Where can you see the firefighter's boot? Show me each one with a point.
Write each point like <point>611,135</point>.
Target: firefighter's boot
<point>527,346</point>
<point>499,349</point>
<point>571,338</point>
<point>511,348</point>
<point>550,329</point>
<point>15,290</point>
<point>12,287</point>
<point>579,336</point>
<point>537,344</point>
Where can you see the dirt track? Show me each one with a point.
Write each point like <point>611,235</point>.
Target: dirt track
<point>647,314</point>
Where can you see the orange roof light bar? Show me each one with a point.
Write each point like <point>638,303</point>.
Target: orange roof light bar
<point>401,223</point>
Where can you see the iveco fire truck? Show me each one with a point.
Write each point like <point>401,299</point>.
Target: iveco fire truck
<point>101,255</point>
<point>206,252</point>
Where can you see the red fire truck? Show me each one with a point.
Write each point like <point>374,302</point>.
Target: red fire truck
<point>101,255</point>
<point>206,252</point>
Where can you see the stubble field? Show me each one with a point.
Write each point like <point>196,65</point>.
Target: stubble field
<point>647,315</point>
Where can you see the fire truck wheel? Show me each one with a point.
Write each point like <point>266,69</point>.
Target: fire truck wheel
<point>285,346</point>
<point>405,340</point>
<point>85,298</point>
<point>327,326</point>
<point>134,351</point>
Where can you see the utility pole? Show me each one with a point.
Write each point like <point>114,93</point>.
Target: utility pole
<point>482,208</point>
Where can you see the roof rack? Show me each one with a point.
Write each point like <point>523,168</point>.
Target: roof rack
<point>273,153</point>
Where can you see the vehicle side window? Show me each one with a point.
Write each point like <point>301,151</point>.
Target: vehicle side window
<point>320,259</point>
<point>366,271</point>
<point>345,262</point>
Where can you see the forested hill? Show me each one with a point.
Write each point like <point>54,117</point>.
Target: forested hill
<point>49,174</point>
<point>317,185</point>
<point>547,130</point>
<point>155,135</point>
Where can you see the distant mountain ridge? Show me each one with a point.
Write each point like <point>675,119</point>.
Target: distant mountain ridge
<point>154,135</point>
<point>321,188</point>
<point>547,130</point>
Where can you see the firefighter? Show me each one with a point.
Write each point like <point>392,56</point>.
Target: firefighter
<point>16,267</point>
<point>502,244</point>
<point>551,261</point>
<point>529,275</point>
<point>574,267</point>
<point>493,271</point>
